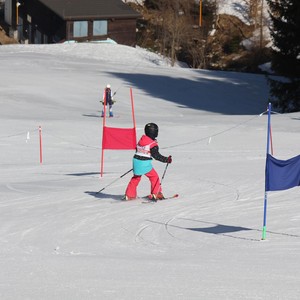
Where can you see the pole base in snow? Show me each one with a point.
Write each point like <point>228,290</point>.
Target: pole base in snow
<point>264,232</point>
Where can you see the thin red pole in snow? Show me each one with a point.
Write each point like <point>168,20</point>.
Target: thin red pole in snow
<point>41,145</point>
<point>104,123</point>
<point>132,108</point>
<point>104,102</point>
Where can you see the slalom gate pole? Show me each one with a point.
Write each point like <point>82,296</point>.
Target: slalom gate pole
<point>114,181</point>
<point>103,132</point>
<point>264,230</point>
<point>132,108</point>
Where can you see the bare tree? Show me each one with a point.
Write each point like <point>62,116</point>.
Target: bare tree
<point>176,34</point>
<point>173,25</point>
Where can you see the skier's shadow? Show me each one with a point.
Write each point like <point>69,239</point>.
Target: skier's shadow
<point>92,115</point>
<point>103,196</point>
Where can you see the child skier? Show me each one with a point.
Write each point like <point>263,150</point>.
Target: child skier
<point>108,99</point>
<point>147,148</point>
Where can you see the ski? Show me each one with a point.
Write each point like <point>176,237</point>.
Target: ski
<point>147,200</point>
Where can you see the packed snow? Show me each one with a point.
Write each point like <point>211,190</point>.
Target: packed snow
<point>59,239</point>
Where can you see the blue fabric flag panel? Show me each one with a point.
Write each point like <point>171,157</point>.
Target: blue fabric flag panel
<point>282,174</point>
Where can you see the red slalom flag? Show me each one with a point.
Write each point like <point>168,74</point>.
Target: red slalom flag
<point>119,138</point>
<point>114,138</point>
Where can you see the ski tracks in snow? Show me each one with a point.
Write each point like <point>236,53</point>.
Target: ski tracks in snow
<point>171,215</point>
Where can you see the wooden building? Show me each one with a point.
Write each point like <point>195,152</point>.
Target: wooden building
<point>55,21</point>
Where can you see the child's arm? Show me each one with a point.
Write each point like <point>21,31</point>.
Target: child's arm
<point>156,155</point>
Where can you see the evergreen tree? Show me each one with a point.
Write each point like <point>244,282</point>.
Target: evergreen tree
<point>285,17</point>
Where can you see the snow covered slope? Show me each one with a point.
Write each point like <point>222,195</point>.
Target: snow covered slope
<point>61,240</point>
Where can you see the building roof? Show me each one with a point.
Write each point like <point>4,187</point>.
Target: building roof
<point>90,9</point>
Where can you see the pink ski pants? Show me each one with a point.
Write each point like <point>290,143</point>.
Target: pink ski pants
<point>131,190</point>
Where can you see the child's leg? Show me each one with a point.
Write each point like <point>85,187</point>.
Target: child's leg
<point>155,182</point>
<point>132,186</point>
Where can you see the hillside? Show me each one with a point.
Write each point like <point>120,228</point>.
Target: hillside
<point>232,42</point>
<point>230,36</point>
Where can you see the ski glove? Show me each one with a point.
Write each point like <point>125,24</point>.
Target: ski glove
<point>169,159</point>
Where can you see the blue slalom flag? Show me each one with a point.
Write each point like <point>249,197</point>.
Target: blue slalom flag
<point>282,174</point>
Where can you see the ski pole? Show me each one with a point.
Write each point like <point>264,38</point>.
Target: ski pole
<point>114,181</point>
<point>164,173</point>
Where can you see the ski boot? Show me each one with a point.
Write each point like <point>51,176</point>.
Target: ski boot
<point>127,198</point>
<point>156,197</point>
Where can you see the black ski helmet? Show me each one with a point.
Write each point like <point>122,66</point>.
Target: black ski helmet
<point>151,130</point>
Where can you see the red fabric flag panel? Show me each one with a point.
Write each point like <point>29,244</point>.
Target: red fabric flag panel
<point>119,138</point>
